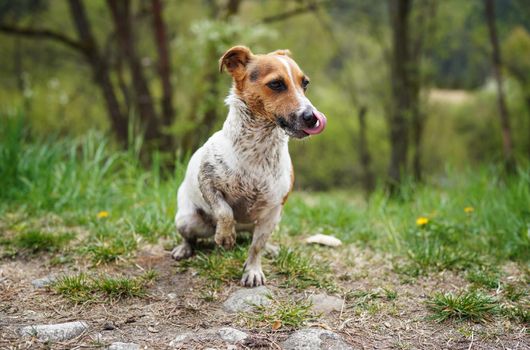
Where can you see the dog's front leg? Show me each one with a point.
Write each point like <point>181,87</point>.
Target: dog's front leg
<point>253,274</point>
<point>225,226</point>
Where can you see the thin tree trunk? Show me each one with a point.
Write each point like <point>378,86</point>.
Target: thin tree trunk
<point>193,139</point>
<point>424,27</point>
<point>164,67</point>
<point>507,143</point>
<point>121,14</point>
<point>401,100</point>
<point>368,178</point>
<point>100,70</point>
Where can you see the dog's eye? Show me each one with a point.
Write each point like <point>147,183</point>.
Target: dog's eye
<point>305,82</point>
<point>277,85</point>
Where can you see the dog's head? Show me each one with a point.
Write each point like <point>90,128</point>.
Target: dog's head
<point>273,87</point>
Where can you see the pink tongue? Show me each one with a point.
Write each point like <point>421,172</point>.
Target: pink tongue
<point>320,125</point>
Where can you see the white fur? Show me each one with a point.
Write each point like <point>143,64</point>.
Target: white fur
<point>221,143</point>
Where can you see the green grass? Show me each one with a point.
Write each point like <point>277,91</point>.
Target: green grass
<point>218,266</point>
<point>76,178</point>
<point>468,305</point>
<point>484,277</point>
<point>301,271</point>
<point>495,231</point>
<point>290,313</point>
<point>82,288</point>
<point>34,242</point>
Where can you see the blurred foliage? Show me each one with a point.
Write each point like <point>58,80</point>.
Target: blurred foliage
<point>343,46</point>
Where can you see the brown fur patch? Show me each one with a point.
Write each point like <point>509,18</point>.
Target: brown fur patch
<point>251,74</point>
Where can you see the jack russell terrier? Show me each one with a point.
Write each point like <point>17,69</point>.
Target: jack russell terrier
<point>240,178</point>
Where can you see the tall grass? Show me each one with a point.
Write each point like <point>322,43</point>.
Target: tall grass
<point>495,226</point>
<point>78,178</point>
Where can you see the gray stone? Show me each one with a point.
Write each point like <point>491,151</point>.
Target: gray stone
<point>227,334</point>
<point>326,304</point>
<point>231,335</point>
<point>315,339</point>
<point>181,338</point>
<point>43,282</point>
<point>124,346</point>
<point>55,332</point>
<point>245,299</point>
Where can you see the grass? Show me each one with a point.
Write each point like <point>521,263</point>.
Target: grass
<point>289,313</point>
<point>34,242</point>
<point>468,305</point>
<point>484,277</point>
<point>218,266</point>
<point>301,272</point>
<point>82,288</point>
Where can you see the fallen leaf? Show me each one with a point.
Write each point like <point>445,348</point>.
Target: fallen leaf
<point>326,240</point>
<point>276,325</point>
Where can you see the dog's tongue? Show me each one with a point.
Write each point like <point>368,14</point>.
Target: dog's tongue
<point>319,126</point>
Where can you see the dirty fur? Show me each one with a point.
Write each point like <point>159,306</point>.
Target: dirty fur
<point>241,177</point>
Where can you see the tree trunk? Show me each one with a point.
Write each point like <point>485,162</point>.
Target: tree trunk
<point>507,143</point>
<point>401,99</point>
<point>121,14</point>
<point>164,68</point>
<point>423,30</point>
<point>368,177</point>
<point>192,140</point>
<point>100,70</point>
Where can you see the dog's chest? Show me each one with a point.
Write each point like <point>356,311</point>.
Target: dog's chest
<point>250,192</point>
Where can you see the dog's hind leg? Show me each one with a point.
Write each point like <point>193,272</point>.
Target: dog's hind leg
<point>253,274</point>
<point>191,226</point>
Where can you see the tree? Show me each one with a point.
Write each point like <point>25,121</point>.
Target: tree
<point>516,49</point>
<point>164,66</point>
<point>402,101</point>
<point>99,61</point>
<point>99,67</point>
<point>193,139</point>
<point>423,30</point>
<point>507,143</point>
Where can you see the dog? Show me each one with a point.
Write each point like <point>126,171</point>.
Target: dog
<point>241,177</point>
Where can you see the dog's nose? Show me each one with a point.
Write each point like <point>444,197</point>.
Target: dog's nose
<point>309,118</point>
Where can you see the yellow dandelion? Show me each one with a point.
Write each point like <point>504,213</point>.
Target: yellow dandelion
<point>469,210</point>
<point>103,214</point>
<point>422,221</point>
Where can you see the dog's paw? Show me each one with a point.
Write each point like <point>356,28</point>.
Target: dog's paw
<point>182,251</point>
<point>226,241</point>
<point>253,277</point>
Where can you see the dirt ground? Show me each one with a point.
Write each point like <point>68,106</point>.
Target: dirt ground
<point>174,303</point>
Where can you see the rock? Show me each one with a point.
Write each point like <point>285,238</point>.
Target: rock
<point>123,346</point>
<point>55,332</point>
<point>227,334</point>
<point>245,299</point>
<point>315,339</point>
<point>181,339</point>
<point>43,282</point>
<point>231,335</point>
<point>326,240</point>
<point>326,304</point>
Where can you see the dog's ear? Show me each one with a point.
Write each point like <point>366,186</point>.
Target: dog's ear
<point>281,52</point>
<point>235,60</point>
